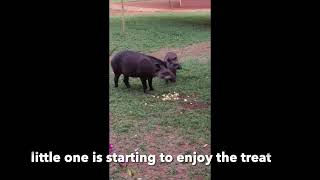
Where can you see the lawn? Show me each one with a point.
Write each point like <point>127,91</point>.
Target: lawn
<point>136,114</point>
<point>149,33</point>
<point>129,106</point>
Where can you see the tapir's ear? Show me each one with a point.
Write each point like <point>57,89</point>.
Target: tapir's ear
<point>166,58</point>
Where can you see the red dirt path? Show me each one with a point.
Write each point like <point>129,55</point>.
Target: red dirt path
<point>150,6</point>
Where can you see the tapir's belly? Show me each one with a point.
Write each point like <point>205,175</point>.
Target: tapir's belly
<point>137,69</point>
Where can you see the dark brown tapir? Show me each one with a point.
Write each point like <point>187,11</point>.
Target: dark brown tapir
<point>171,59</point>
<point>135,64</point>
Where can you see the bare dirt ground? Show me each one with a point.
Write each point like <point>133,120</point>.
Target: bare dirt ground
<point>194,50</point>
<point>151,6</point>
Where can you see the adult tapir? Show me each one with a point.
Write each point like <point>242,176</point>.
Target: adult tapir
<point>135,64</point>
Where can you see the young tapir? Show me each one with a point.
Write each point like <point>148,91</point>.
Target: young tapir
<point>171,60</point>
<point>134,64</point>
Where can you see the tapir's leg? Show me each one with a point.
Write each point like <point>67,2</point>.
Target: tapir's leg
<point>126,81</point>
<point>116,79</point>
<point>144,83</point>
<point>150,83</point>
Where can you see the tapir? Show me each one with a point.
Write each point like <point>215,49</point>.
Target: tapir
<point>138,65</point>
<point>171,60</point>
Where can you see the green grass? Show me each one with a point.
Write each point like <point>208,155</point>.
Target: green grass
<point>134,112</point>
<point>148,33</point>
<point>130,112</point>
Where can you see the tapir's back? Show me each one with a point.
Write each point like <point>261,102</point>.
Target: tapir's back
<point>132,64</point>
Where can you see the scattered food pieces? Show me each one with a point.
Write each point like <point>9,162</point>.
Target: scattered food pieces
<point>173,97</point>
<point>170,96</point>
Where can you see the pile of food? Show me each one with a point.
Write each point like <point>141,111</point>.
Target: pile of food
<point>170,97</point>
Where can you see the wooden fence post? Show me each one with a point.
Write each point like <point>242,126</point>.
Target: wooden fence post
<point>123,23</point>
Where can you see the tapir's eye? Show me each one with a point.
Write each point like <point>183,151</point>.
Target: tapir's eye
<point>158,66</point>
